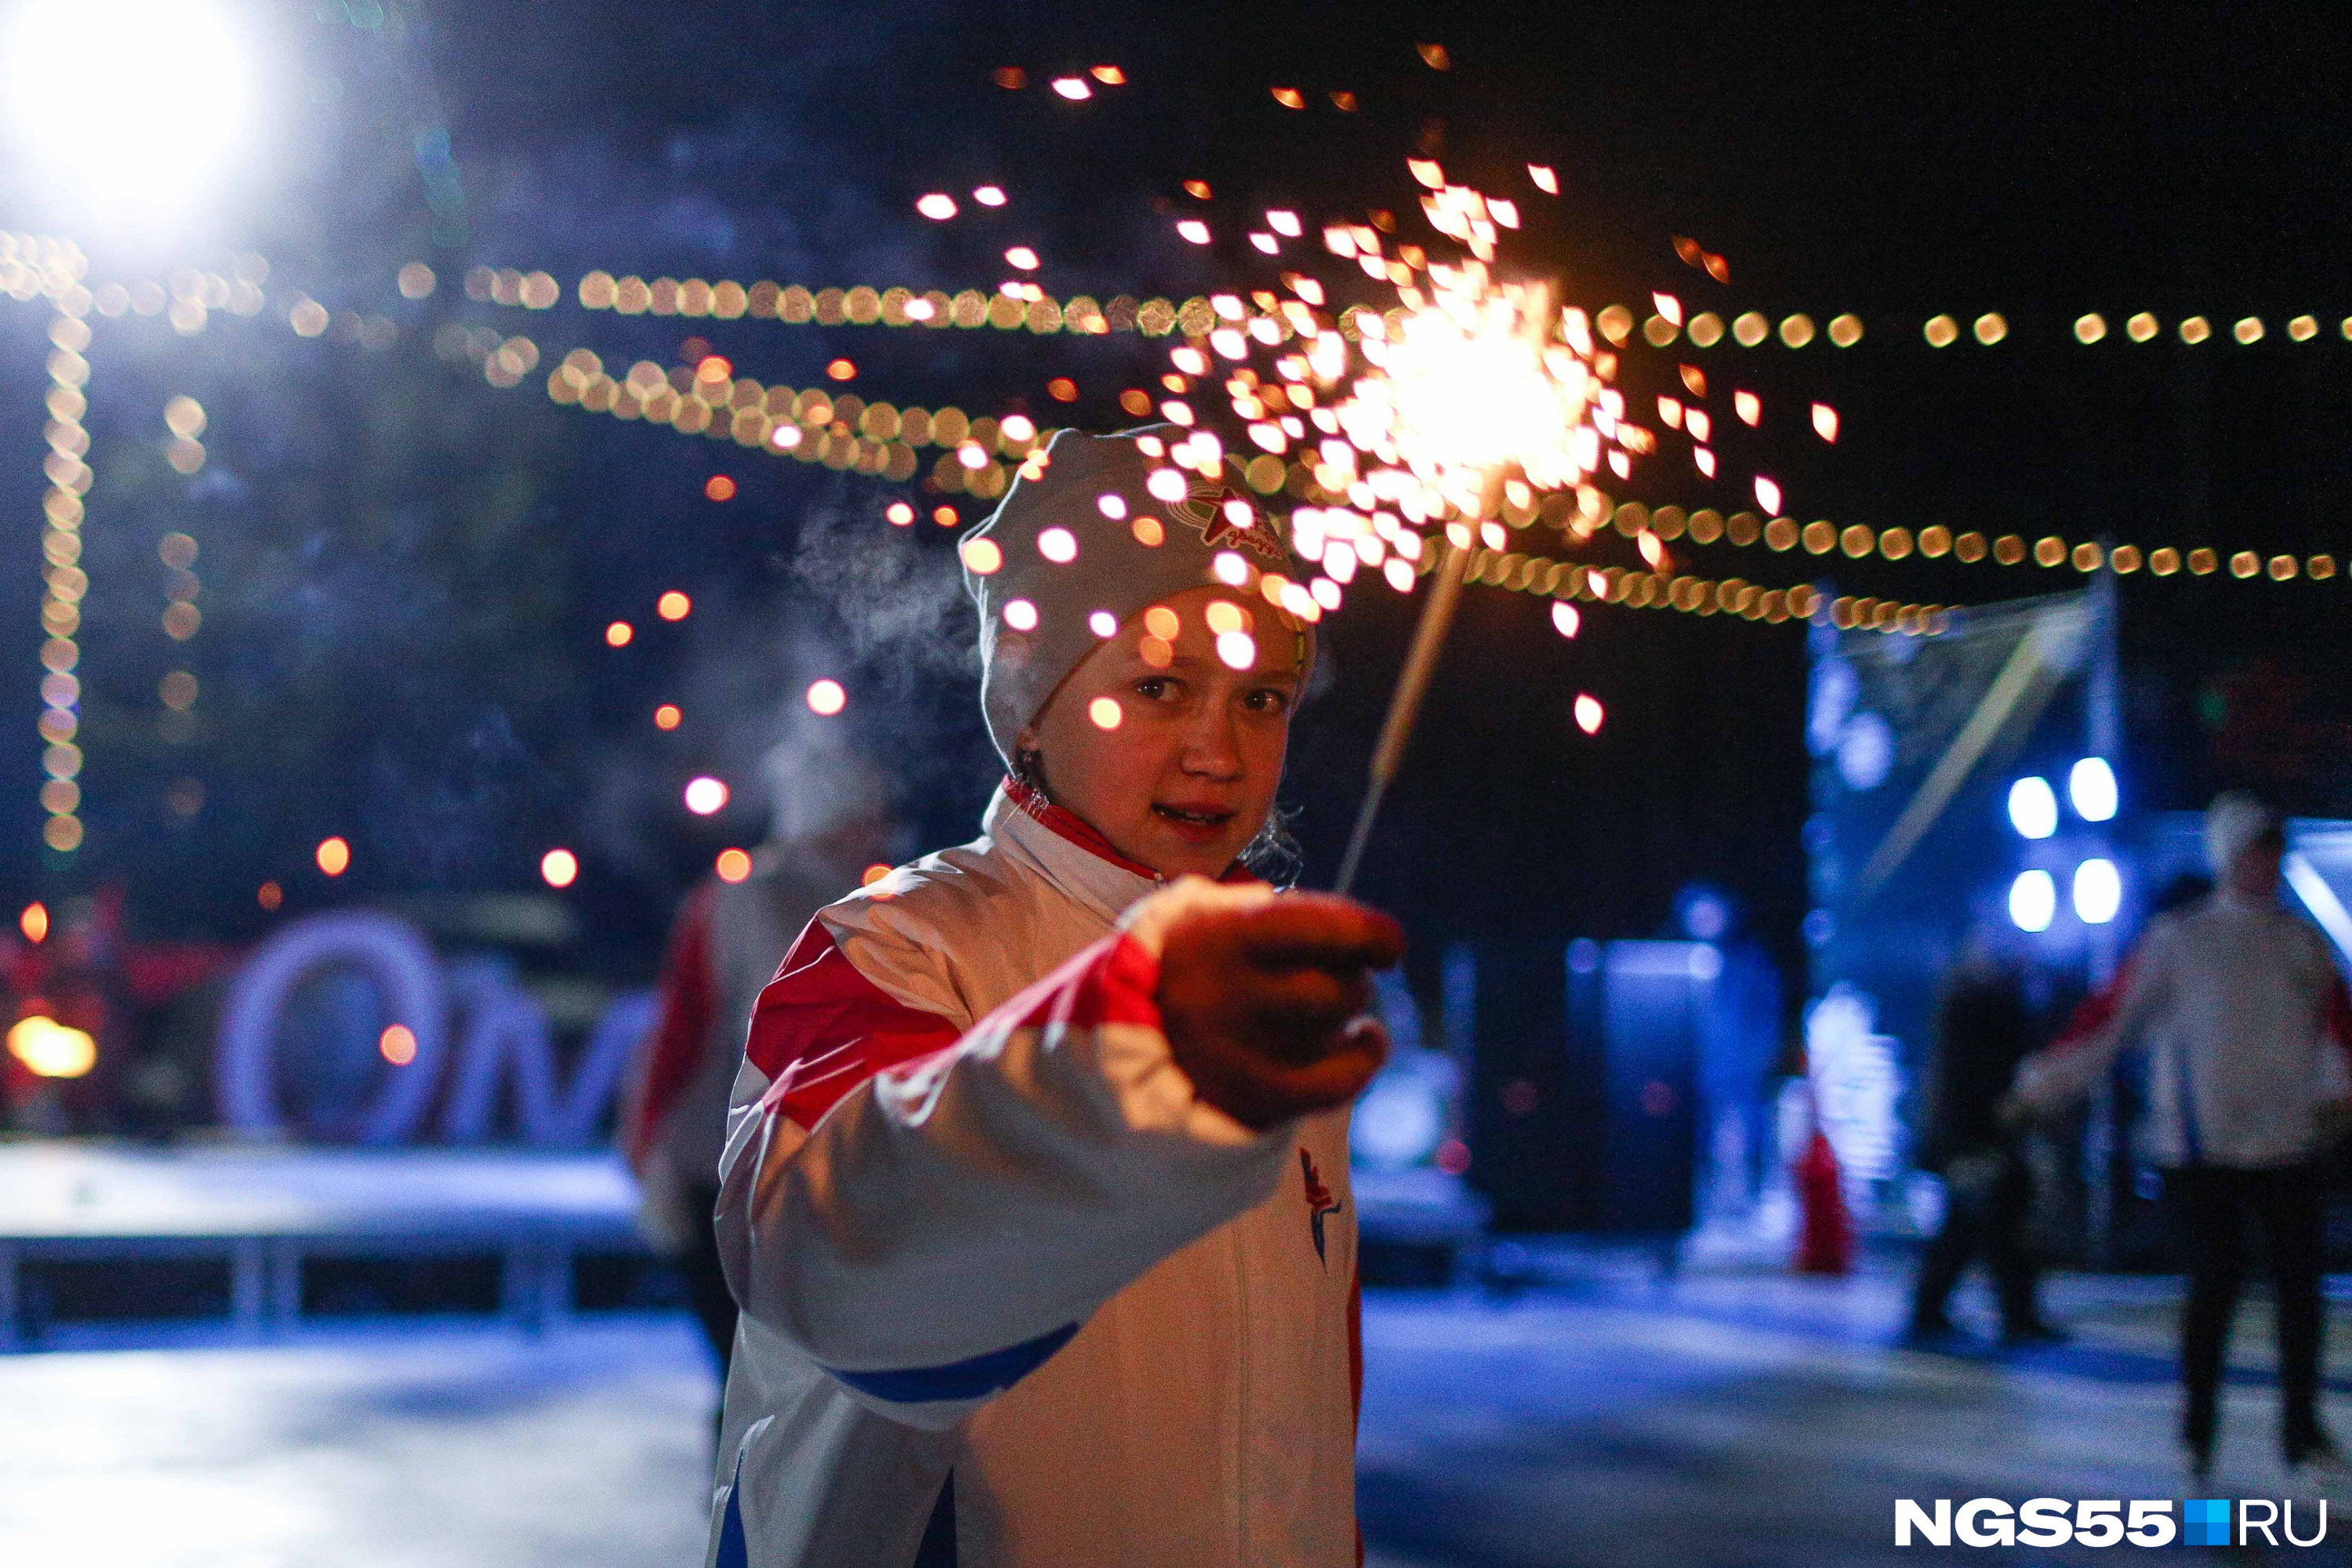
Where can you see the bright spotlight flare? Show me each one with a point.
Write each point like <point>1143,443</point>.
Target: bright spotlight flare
<point>1482,385</point>
<point>139,105</point>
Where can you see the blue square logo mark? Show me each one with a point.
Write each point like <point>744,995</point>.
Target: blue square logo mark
<point>2205,1521</point>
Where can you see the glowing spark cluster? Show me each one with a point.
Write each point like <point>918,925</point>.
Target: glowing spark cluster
<point>1396,422</point>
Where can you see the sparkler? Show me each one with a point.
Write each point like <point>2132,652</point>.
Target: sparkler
<point>1475,387</point>
<point>1426,419</point>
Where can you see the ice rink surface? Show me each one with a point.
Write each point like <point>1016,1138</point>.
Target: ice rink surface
<point>1724,1420</point>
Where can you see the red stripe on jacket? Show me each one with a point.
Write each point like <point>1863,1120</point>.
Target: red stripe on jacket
<point>689,999</point>
<point>822,1028</point>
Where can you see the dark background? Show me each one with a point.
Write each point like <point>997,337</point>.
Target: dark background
<point>407,571</point>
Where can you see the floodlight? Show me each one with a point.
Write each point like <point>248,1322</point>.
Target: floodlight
<point>138,103</point>
<point>2033,901</point>
<point>2033,807</point>
<point>2091,787</point>
<point>2098,891</point>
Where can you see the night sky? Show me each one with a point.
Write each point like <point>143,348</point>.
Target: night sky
<point>2035,164</point>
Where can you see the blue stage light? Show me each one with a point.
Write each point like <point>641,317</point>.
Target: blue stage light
<point>2033,807</point>
<point>2033,901</point>
<point>2091,787</point>
<point>2098,891</point>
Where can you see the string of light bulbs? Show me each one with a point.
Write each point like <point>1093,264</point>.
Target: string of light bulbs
<point>1665,326</point>
<point>1571,582</point>
<point>839,429</point>
<point>1857,542</point>
<point>1019,304</point>
<point>43,268</point>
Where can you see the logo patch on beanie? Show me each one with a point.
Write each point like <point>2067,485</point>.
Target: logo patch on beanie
<point>1204,510</point>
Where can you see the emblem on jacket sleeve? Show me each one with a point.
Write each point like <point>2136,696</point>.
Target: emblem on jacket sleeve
<point>1319,1202</point>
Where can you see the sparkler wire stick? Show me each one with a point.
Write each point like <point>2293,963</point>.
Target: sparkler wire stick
<point>1413,681</point>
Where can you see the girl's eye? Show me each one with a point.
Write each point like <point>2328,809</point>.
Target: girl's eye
<point>1267,699</point>
<point>1154,687</point>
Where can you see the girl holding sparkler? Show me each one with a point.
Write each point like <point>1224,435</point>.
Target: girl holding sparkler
<point>1035,1188</point>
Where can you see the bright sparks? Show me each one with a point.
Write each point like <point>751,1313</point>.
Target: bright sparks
<point>1480,378</point>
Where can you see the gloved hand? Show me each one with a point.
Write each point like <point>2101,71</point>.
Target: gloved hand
<point>1263,1008</point>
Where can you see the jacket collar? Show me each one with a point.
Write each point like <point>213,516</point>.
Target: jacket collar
<point>1069,852</point>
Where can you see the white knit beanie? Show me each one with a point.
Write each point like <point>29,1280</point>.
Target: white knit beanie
<point>2234,821</point>
<point>1087,538</point>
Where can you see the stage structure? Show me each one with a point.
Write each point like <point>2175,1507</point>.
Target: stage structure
<point>1939,767</point>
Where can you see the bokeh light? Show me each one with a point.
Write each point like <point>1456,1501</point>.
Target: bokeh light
<point>668,717</point>
<point>559,868</point>
<point>673,606</point>
<point>719,488</point>
<point>706,795</point>
<point>49,1049</point>
<point>732,865</point>
<point>397,1045</point>
<point>826,697</point>
<point>1106,712</point>
<point>334,855</point>
<point>1588,713</point>
<point>2033,901</point>
<point>619,633</point>
<point>34,921</point>
<point>2098,891</point>
<point>2033,807</point>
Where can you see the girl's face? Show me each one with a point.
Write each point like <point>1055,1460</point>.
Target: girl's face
<point>1184,775</point>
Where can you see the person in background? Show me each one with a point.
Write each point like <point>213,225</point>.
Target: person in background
<point>1984,1028</point>
<point>830,821</point>
<point>2250,1024</point>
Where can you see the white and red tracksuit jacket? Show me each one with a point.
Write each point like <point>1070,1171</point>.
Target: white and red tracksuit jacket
<point>996,1260</point>
<point>2247,1024</point>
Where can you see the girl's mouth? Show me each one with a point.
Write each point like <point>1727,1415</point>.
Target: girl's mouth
<point>1200,824</point>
